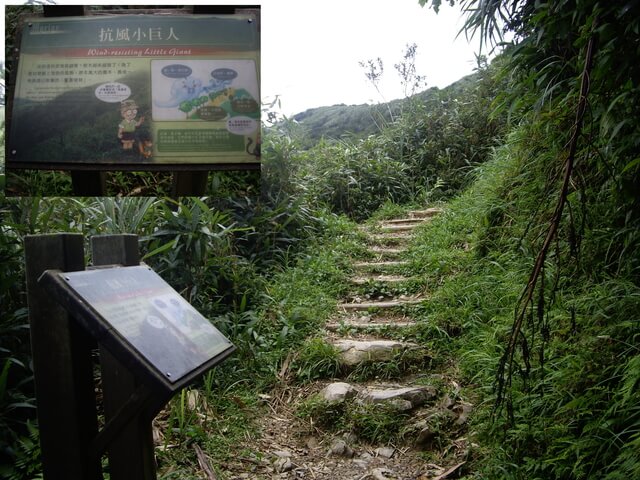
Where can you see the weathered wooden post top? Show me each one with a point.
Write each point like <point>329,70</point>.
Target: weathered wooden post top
<point>152,344</point>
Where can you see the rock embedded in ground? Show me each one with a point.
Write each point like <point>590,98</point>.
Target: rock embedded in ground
<point>365,279</point>
<point>340,448</point>
<point>400,302</point>
<point>400,405</point>
<point>427,213</point>
<point>282,465</point>
<point>355,352</point>
<point>338,392</point>
<point>463,410</point>
<point>282,453</point>
<point>385,452</point>
<point>417,396</point>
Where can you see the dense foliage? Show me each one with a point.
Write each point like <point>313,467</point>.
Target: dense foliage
<point>560,217</point>
<point>267,262</point>
<point>425,152</point>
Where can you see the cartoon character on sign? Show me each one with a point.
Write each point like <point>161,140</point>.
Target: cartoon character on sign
<point>145,145</point>
<point>128,125</point>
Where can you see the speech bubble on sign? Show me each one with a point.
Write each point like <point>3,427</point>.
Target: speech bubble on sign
<point>176,70</point>
<point>224,74</point>
<point>112,92</point>
<point>242,125</point>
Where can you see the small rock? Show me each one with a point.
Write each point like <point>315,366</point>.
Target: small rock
<point>340,448</point>
<point>282,454</point>
<point>283,465</point>
<point>463,409</point>
<point>338,392</point>
<point>350,437</point>
<point>381,474</point>
<point>312,443</point>
<point>361,463</point>
<point>385,452</point>
<point>425,437</point>
<point>448,402</point>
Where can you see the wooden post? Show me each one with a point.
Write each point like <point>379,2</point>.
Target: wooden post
<point>189,183</point>
<point>131,455</point>
<point>62,365</point>
<point>89,183</point>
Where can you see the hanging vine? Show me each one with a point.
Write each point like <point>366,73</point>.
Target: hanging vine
<point>525,304</point>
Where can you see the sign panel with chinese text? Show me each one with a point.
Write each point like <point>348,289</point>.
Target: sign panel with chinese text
<point>137,89</point>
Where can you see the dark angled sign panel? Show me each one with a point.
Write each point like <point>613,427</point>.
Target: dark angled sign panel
<point>137,89</point>
<point>153,318</point>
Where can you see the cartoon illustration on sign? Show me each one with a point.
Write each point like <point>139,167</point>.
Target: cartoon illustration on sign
<point>128,124</point>
<point>203,89</point>
<point>182,90</point>
<point>145,145</point>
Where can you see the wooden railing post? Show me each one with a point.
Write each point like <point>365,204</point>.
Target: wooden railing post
<point>62,364</point>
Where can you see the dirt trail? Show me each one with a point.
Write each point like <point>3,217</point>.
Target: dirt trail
<point>381,373</point>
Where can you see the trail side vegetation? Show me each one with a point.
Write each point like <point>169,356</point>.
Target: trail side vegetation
<point>533,268</point>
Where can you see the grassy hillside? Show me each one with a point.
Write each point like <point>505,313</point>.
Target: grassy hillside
<point>338,121</point>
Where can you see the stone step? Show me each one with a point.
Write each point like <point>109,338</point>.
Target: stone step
<point>427,213</point>
<point>386,228</point>
<point>381,304</point>
<point>401,221</point>
<point>387,239</point>
<point>364,279</point>
<point>360,320</point>
<point>355,352</point>
<point>386,252</point>
<point>364,325</point>
<point>402,397</point>
<point>380,265</point>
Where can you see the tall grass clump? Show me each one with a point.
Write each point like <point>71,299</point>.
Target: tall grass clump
<point>570,410</point>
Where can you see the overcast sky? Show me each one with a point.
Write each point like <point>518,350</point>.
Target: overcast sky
<point>311,49</point>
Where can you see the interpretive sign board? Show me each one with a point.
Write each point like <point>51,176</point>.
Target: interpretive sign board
<point>147,90</point>
<point>135,308</point>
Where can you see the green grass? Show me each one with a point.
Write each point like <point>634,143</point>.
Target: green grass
<point>375,423</point>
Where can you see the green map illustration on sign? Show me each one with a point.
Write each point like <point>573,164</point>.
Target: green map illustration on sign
<point>137,89</point>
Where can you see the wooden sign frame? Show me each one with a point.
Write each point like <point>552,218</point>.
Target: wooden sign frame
<point>138,65</point>
<point>88,176</point>
<point>107,328</point>
<point>64,351</point>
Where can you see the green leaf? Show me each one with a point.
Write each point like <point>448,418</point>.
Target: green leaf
<point>160,249</point>
<point>631,165</point>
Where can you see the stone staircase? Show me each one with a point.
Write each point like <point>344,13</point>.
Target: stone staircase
<point>380,373</point>
<point>360,322</point>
